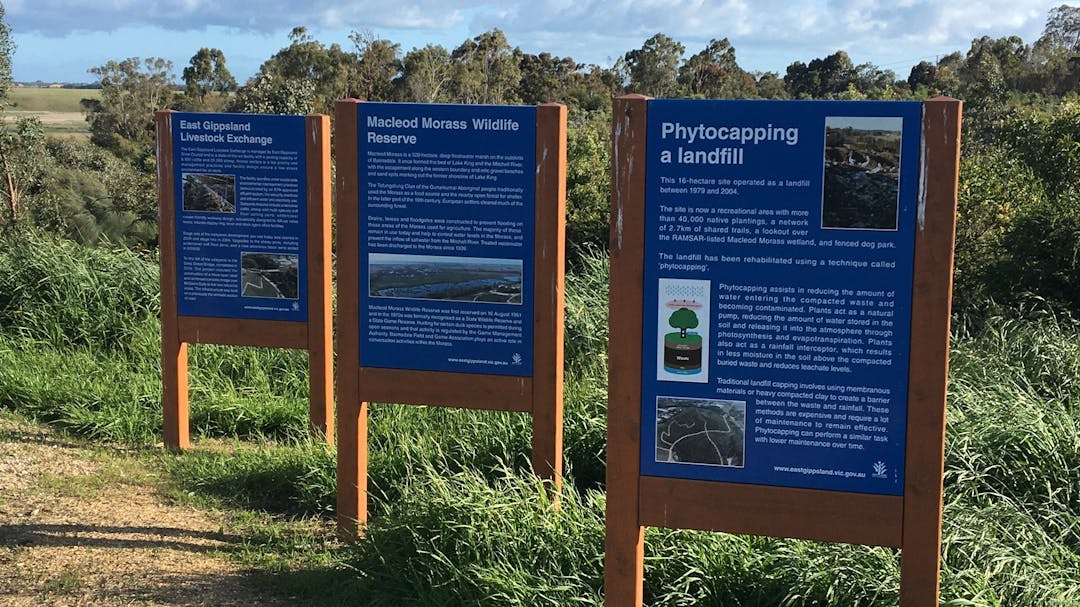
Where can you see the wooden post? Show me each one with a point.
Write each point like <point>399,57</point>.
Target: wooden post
<point>624,543</point>
<point>174,362</point>
<point>320,327</point>
<point>935,233</point>
<point>352,413</point>
<point>548,294</point>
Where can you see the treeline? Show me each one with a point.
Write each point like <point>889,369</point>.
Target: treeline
<point>1019,223</point>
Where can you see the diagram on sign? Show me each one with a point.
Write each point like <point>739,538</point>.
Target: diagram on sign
<point>683,329</point>
<point>209,193</point>
<point>862,173</point>
<point>701,431</point>
<point>275,275</point>
<point>474,279</point>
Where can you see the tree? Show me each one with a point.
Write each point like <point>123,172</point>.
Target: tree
<point>1062,28</point>
<point>713,73</point>
<point>206,73</point>
<point>588,183</point>
<point>1055,57</point>
<point>122,119</point>
<point>7,50</point>
<point>268,94</point>
<point>486,70</point>
<point>922,74</point>
<point>330,70</point>
<point>683,319</point>
<point>426,75</point>
<point>22,162</point>
<point>377,66</point>
<point>1010,54</point>
<point>770,86</point>
<point>545,77</point>
<point>653,69</point>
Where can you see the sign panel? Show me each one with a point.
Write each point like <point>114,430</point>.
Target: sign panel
<point>241,223</point>
<point>779,244</point>
<point>447,227</point>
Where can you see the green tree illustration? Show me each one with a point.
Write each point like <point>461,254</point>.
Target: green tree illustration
<point>683,319</point>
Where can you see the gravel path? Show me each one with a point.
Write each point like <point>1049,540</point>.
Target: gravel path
<point>83,526</point>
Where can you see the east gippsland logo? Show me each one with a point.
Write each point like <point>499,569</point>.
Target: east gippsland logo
<point>880,470</point>
<point>516,358</point>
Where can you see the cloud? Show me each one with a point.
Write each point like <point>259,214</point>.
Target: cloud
<point>60,18</point>
<point>767,34</point>
<point>776,20</point>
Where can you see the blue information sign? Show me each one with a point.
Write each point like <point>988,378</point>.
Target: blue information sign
<point>447,207</point>
<point>779,244</point>
<point>241,216</point>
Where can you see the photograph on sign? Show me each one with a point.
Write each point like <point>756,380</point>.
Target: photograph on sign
<point>779,242</point>
<point>275,275</point>
<point>701,431</point>
<point>241,184</point>
<point>209,193</point>
<point>473,279</point>
<point>447,210</point>
<point>862,172</point>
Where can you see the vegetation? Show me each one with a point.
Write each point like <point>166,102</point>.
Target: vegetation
<point>456,517</point>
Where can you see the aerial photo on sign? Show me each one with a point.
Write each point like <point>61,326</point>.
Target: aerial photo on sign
<point>274,275</point>
<point>474,279</point>
<point>700,431</point>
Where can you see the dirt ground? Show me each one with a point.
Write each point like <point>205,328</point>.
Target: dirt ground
<point>87,527</point>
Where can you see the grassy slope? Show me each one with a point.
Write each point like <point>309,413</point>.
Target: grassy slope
<point>58,109</point>
<point>29,99</point>
<point>457,519</point>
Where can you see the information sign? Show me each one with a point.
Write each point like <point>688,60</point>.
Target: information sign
<point>781,276</point>
<point>446,237</point>
<point>779,245</point>
<point>241,222</point>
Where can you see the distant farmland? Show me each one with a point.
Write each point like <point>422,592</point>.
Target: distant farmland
<point>58,109</point>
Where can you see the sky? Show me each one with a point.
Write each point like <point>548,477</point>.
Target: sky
<point>58,40</point>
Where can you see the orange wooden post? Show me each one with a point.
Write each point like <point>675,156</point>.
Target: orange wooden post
<point>352,413</point>
<point>174,363</point>
<point>320,328</point>
<point>935,233</point>
<point>548,294</point>
<point>624,540</point>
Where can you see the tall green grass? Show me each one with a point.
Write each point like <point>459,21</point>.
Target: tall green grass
<point>457,518</point>
<point>80,347</point>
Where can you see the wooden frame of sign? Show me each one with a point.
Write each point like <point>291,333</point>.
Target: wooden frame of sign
<point>911,522</point>
<point>540,395</point>
<point>315,335</point>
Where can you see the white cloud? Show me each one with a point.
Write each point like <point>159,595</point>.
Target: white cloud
<point>62,17</point>
<point>767,34</point>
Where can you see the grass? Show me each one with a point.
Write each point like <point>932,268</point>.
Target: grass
<point>32,99</point>
<point>58,109</point>
<point>457,518</point>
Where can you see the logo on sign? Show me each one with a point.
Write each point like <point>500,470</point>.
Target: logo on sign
<point>880,470</point>
<point>516,358</point>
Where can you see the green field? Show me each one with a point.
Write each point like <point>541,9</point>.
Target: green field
<point>58,109</point>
